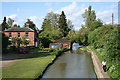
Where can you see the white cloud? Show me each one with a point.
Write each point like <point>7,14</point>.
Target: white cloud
<point>106,16</point>
<point>114,5</point>
<point>13,16</point>
<point>74,13</point>
<point>37,21</point>
<point>17,20</point>
<point>50,9</point>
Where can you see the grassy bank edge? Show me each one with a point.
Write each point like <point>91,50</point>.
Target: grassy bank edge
<point>109,63</point>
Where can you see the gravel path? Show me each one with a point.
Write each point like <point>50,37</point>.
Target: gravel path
<point>6,63</point>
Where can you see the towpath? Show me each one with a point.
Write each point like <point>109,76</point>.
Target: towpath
<point>98,67</point>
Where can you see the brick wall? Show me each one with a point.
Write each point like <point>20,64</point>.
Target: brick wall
<point>15,34</point>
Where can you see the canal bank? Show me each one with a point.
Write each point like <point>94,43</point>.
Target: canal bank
<point>98,67</point>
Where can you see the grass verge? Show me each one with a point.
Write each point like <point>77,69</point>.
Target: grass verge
<point>32,67</point>
<point>112,72</point>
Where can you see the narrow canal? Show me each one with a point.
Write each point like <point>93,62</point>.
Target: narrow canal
<point>72,64</point>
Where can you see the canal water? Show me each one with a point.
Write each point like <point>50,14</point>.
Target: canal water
<point>72,64</point>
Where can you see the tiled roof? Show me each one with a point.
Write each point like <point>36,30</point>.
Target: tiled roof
<point>18,29</point>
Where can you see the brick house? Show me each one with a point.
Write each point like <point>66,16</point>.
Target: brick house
<point>20,32</point>
<point>62,43</point>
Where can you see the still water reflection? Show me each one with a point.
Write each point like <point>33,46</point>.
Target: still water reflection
<point>72,64</point>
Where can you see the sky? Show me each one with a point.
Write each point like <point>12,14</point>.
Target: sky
<point>36,11</point>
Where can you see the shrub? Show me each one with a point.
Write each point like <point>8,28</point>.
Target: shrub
<point>49,49</point>
<point>40,45</point>
<point>5,42</point>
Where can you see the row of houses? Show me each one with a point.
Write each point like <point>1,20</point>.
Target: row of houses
<point>33,37</point>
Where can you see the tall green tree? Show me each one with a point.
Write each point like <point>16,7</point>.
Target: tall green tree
<point>96,24</point>
<point>71,35</point>
<point>5,41</point>
<point>31,24</point>
<point>70,24</point>
<point>47,26</point>
<point>10,22</point>
<point>83,32</point>
<point>62,24</point>
<point>50,21</point>
<point>89,16</point>
<point>4,24</point>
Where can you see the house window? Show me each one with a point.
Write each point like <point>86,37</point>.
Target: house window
<point>10,35</point>
<point>18,34</point>
<point>26,34</point>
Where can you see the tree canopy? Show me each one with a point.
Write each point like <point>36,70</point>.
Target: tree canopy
<point>62,24</point>
<point>31,24</point>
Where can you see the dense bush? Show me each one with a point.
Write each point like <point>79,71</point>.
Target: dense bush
<point>111,46</point>
<point>5,41</point>
<point>46,41</point>
<point>106,41</point>
<point>96,37</point>
<point>59,51</point>
<point>41,45</point>
<point>49,49</point>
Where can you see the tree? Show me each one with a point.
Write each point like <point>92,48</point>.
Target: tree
<point>71,36</point>
<point>50,29</point>
<point>10,22</point>
<point>96,24</point>
<point>70,25</point>
<point>111,45</point>
<point>50,21</point>
<point>4,25</point>
<point>31,24</point>
<point>53,17</point>
<point>41,45</point>
<point>47,26</point>
<point>13,40</point>
<point>24,41</point>
<point>18,41</point>
<point>5,41</point>
<point>89,17</point>
<point>62,24</point>
<point>84,35</point>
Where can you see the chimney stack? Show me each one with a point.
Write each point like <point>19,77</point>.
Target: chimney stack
<point>27,25</point>
<point>15,26</point>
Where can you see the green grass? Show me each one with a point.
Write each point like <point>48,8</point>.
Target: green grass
<point>27,68</point>
<point>109,63</point>
<point>30,67</point>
